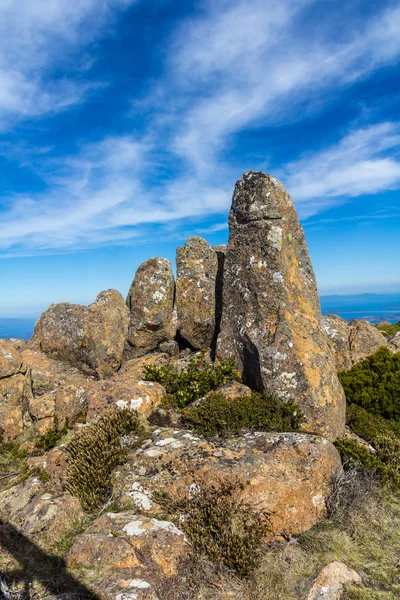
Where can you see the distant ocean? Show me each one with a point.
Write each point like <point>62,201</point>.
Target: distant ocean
<point>372,307</point>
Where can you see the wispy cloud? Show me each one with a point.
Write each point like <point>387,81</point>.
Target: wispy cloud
<point>36,38</point>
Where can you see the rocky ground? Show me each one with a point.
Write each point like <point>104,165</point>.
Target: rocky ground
<point>106,490</point>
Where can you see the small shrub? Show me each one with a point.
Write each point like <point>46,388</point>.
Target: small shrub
<point>193,383</point>
<point>218,415</point>
<point>50,438</point>
<point>220,524</point>
<point>368,426</point>
<point>93,454</point>
<point>375,384</point>
<point>390,329</point>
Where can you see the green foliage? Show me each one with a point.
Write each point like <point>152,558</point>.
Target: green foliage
<point>12,462</point>
<point>194,382</point>
<point>220,524</point>
<point>93,454</point>
<point>368,426</point>
<point>390,329</point>
<point>386,461</point>
<point>218,415</point>
<point>375,384</point>
<point>50,439</point>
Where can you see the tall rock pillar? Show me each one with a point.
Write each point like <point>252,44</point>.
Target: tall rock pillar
<point>271,321</point>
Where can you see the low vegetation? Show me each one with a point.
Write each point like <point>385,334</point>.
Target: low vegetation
<point>219,524</point>
<point>194,382</point>
<point>94,452</point>
<point>13,466</point>
<point>389,329</point>
<point>51,438</point>
<point>374,384</point>
<point>218,415</point>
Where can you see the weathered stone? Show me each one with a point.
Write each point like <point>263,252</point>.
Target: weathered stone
<point>364,339</point>
<point>338,331</point>
<point>197,267</point>
<point>171,348</point>
<point>13,406</point>
<point>10,359</point>
<point>329,584</point>
<point>91,338</point>
<point>394,342</point>
<point>289,474</point>
<point>151,302</point>
<point>44,406</point>
<point>143,396</point>
<point>271,321</point>
<point>233,390</point>
<point>128,555</point>
<point>134,369</point>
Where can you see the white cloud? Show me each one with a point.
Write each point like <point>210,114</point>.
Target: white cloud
<point>36,38</point>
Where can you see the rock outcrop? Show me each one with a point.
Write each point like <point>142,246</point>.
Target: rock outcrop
<point>289,474</point>
<point>330,583</point>
<point>91,338</point>
<point>271,316</point>
<point>151,302</point>
<point>352,342</point>
<point>197,268</point>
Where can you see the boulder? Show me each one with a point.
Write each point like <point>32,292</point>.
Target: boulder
<point>289,474</point>
<point>91,338</point>
<point>329,584</point>
<point>271,321</point>
<point>134,369</point>
<point>142,396</point>
<point>233,390</point>
<point>14,418</point>
<point>128,556</point>
<point>10,359</point>
<point>394,342</point>
<point>364,339</point>
<point>151,302</point>
<point>338,331</point>
<point>197,268</point>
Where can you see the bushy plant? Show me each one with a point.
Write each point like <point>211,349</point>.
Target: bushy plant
<point>220,524</point>
<point>93,454</point>
<point>369,426</point>
<point>218,415</point>
<point>390,329</point>
<point>375,384</point>
<point>192,383</point>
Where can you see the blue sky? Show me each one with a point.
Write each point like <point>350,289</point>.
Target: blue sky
<point>124,125</point>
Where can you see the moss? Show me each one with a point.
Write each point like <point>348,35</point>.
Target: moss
<point>390,329</point>
<point>218,415</point>
<point>50,439</point>
<point>192,383</point>
<point>220,524</point>
<point>93,454</point>
<point>375,384</point>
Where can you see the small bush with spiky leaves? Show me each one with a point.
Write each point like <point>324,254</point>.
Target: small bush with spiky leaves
<point>218,415</point>
<point>195,382</point>
<point>219,523</point>
<point>93,454</point>
<point>375,384</point>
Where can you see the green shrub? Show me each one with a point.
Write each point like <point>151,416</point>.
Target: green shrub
<point>93,454</point>
<point>49,440</point>
<point>194,382</point>
<point>218,415</point>
<point>368,426</point>
<point>220,524</point>
<point>386,461</point>
<point>390,329</point>
<point>375,384</point>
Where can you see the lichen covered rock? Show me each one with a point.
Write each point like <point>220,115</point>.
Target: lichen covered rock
<point>364,339</point>
<point>338,332</point>
<point>91,338</point>
<point>151,302</point>
<point>329,584</point>
<point>288,474</point>
<point>10,359</point>
<point>197,268</point>
<point>271,321</point>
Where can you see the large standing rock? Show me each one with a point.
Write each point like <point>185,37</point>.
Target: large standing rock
<point>91,338</point>
<point>271,316</point>
<point>338,331</point>
<point>288,474</point>
<point>197,268</point>
<point>364,339</point>
<point>151,302</point>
